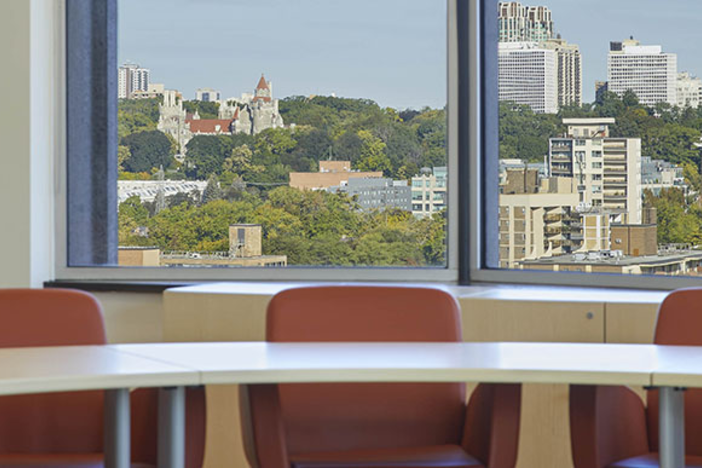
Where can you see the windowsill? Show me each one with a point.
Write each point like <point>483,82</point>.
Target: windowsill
<point>505,292</point>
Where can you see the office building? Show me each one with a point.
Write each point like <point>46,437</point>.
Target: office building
<point>528,74</point>
<point>607,170</point>
<point>429,193</point>
<point>521,23</point>
<point>131,79</point>
<point>689,90</point>
<point>331,174</point>
<point>378,193</point>
<point>208,95</point>
<point>570,71</point>
<point>646,70</point>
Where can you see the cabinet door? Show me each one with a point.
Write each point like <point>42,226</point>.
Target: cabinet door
<point>545,432</point>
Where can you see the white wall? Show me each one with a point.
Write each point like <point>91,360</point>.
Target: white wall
<point>26,132</point>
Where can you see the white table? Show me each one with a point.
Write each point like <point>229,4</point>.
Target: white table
<point>174,366</point>
<point>566,363</point>
<point>77,368</point>
<point>684,370</point>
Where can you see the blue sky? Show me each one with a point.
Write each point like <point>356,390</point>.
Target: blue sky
<point>392,51</point>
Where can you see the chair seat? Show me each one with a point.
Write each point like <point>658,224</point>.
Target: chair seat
<point>650,460</point>
<point>63,460</point>
<point>444,456</point>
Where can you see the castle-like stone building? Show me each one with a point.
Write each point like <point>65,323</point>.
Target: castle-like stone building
<point>250,114</point>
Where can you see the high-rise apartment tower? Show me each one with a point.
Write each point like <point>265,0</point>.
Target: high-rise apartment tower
<point>521,23</point>
<point>645,70</point>
<point>528,74</point>
<point>132,79</point>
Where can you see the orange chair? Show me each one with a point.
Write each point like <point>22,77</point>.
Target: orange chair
<point>610,427</point>
<point>65,430</point>
<point>377,425</point>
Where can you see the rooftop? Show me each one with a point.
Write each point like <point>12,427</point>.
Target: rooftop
<point>586,259</point>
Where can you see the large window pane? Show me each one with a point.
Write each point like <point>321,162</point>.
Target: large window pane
<point>342,162</point>
<point>599,132</point>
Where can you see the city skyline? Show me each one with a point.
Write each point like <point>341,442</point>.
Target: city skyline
<point>352,49</point>
<point>616,21</point>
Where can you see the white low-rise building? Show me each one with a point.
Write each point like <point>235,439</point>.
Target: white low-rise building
<point>147,190</point>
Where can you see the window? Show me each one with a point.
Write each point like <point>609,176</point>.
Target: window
<point>311,164</point>
<point>533,120</point>
<point>542,123</point>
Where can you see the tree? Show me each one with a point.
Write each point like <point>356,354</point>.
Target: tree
<point>206,153</point>
<point>677,222</point>
<point>672,142</point>
<point>212,191</point>
<point>240,162</point>
<point>372,156</point>
<point>148,150</point>
<point>123,153</point>
<point>206,110</point>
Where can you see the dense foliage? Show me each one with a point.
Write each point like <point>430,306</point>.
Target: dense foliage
<point>248,177</point>
<point>311,228</point>
<point>147,150</point>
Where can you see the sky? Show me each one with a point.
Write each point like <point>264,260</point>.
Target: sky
<point>391,51</point>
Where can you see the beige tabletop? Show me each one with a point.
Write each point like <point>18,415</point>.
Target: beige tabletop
<point>75,368</point>
<point>260,362</point>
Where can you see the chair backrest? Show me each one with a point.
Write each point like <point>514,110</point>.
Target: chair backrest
<point>50,423</point>
<point>335,417</point>
<point>680,323</point>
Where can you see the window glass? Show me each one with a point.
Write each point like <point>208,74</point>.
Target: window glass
<point>259,133</point>
<point>600,131</point>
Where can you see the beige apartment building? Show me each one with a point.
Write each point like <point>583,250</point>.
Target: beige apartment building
<point>331,174</point>
<point>429,191</point>
<point>546,222</point>
<point>607,170</point>
<point>534,225</point>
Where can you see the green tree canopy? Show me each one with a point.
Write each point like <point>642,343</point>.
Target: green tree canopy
<point>150,149</point>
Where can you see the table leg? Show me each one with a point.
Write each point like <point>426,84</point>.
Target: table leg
<point>117,428</point>
<point>671,406</point>
<point>171,427</point>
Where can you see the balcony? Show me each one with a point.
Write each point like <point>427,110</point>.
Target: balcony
<point>615,183</point>
<point>614,170</point>
<point>617,161</point>
<point>615,196</point>
<point>556,157</point>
